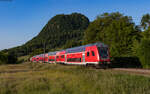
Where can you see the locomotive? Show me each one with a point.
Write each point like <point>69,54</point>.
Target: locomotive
<point>91,54</point>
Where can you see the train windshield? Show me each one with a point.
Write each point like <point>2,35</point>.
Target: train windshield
<point>103,52</point>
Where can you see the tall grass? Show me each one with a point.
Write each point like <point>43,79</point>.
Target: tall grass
<point>59,79</point>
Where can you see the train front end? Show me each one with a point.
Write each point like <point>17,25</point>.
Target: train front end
<point>103,54</point>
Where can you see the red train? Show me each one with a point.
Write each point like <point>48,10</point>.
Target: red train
<point>95,54</point>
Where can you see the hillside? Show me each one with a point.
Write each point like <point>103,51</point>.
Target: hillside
<point>60,32</point>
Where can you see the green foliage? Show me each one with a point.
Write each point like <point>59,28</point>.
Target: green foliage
<point>3,58</point>
<point>135,48</point>
<point>146,33</point>
<point>36,52</point>
<point>12,58</point>
<point>145,21</point>
<point>9,58</point>
<point>114,29</point>
<point>144,53</point>
<point>72,43</point>
<point>143,47</point>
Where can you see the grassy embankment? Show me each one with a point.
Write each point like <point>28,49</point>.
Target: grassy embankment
<point>58,79</point>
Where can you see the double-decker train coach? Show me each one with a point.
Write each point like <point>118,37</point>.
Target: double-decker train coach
<point>90,54</point>
<point>35,58</point>
<point>52,57</point>
<point>60,56</point>
<point>32,59</point>
<point>95,54</point>
<point>41,58</point>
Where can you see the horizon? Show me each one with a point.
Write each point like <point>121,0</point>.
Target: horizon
<point>23,20</point>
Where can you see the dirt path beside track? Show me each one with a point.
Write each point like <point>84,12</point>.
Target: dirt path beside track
<point>142,72</point>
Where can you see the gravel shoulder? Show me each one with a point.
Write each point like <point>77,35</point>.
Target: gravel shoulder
<point>142,72</point>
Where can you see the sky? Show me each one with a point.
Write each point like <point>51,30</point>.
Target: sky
<point>21,20</point>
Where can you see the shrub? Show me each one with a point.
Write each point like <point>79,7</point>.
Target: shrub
<point>3,58</point>
<point>9,58</point>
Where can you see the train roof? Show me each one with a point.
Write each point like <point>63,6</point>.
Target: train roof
<point>82,48</point>
<point>52,53</point>
<point>40,55</point>
<point>77,49</point>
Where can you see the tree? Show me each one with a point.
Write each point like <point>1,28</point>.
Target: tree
<point>145,21</point>
<point>144,52</point>
<point>145,24</point>
<point>114,29</point>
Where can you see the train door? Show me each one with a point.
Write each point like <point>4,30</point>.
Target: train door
<point>65,58</point>
<point>87,55</point>
<point>83,57</point>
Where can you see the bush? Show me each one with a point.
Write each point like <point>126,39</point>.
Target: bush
<point>9,58</point>
<point>12,59</point>
<point>126,62</point>
<point>3,58</point>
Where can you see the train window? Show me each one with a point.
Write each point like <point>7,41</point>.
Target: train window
<point>93,54</point>
<point>51,59</point>
<point>74,60</point>
<point>103,52</point>
<point>88,53</point>
<point>57,57</point>
<point>62,56</point>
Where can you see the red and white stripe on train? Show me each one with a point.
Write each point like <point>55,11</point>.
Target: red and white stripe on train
<point>96,53</point>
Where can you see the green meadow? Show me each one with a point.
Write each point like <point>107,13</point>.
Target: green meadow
<point>37,78</point>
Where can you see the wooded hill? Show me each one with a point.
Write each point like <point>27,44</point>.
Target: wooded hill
<point>62,31</point>
<point>126,40</point>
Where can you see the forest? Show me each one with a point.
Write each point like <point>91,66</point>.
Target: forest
<point>128,42</point>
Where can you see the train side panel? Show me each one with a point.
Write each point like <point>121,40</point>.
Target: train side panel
<point>46,58</point>
<point>60,57</point>
<point>91,55</point>
<point>52,59</point>
<point>74,58</point>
